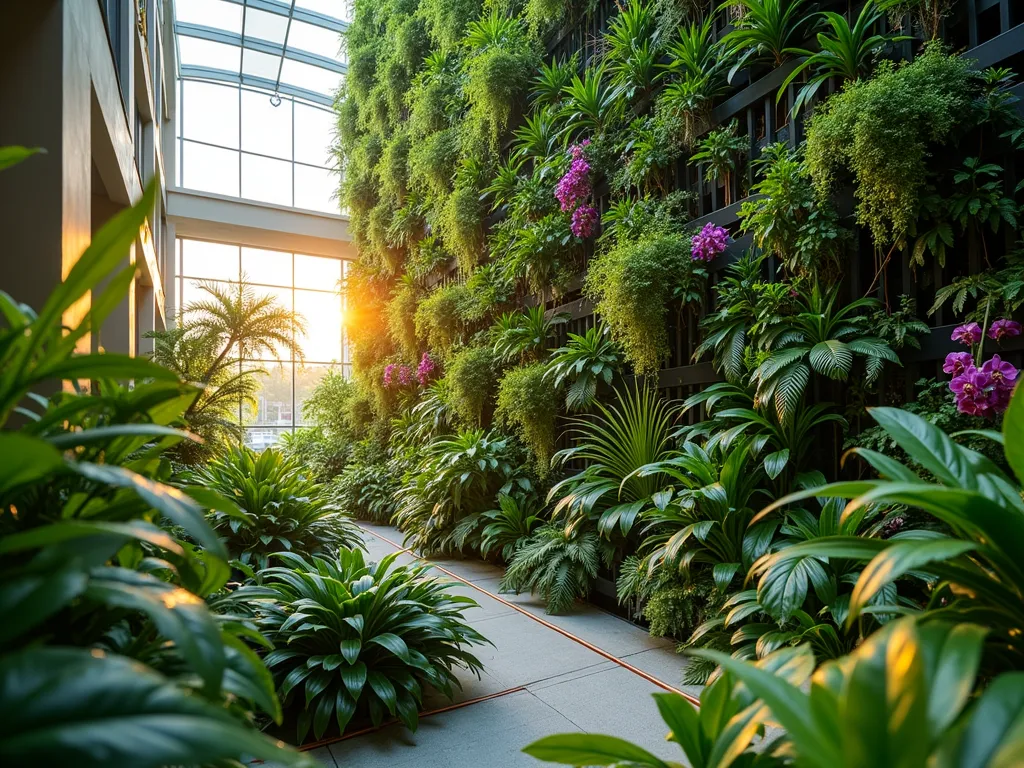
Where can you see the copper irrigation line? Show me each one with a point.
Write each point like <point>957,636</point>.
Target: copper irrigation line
<point>374,728</point>
<point>554,627</point>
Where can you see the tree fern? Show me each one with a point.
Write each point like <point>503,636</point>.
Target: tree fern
<point>557,565</point>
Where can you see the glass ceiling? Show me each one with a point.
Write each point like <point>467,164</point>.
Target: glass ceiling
<point>289,47</point>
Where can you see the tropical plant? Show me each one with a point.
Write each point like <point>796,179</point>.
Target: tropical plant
<point>366,492</point>
<point>282,508</point>
<point>591,105</point>
<point>847,716</point>
<point>882,130</point>
<point>213,334</point>
<point>633,285</point>
<point>766,30</point>
<point>471,383</point>
<point>634,49</point>
<point>360,638</point>
<point>817,339</point>
<point>584,362</point>
<point>971,572</point>
<point>788,219</point>
<point>720,151</point>
<point>85,499</point>
<point>704,517</point>
<point>901,327</point>
<point>746,303</point>
<point>731,414</point>
<point>528,404</point>
<point>453,478</point>
<point>697,66</point>
<point>998,291</point>
<point>557,564</point>
<point>847,54</point>
<point>523,336</point>
<point>624,437</point>
<point>723,731</point>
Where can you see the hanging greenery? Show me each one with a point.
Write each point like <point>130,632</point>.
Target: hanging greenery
<point>471,377</point>
<point>528,404</point>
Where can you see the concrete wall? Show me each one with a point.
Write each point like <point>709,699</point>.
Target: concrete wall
<point>59,90</point>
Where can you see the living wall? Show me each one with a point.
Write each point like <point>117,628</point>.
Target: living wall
<point>662,276</point>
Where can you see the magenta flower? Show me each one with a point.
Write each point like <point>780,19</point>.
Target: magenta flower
<point>957,362</point>
<point>1002,373</point>
<point>972,392</point>
<point>967,334</point>
<point>1004,328</point>
<point>425,369</point>
<point>583,220</point>
<point>709,242</point>
<point>575,186</point>
<point>388,373</point>
<point>405,375</point>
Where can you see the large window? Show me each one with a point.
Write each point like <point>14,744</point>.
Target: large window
<point>234,141</point>
<point>308,284</point>
<point>257,82</point>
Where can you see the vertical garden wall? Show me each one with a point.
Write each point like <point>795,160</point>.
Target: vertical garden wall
<point>632,275</point>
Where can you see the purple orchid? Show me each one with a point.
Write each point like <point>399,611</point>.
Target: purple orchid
<point>425,369</point>
<point>967,334</point>
<point>709,242</point>
<point>583,220</point>
<point>957,362</point>
<point>389,372</point>
<point>1004,328</point>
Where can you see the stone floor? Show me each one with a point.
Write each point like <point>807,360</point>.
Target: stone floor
<point>548,683</point>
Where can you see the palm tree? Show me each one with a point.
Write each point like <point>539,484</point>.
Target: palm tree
<point>211,339</point>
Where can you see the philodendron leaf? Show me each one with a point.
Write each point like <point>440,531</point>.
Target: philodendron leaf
<point>69,706</point>
<point>1013,434</point>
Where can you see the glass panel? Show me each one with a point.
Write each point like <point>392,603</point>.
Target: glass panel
<point>317,272</point>
<point>210,113</point>
<point>191,292</point>
<point>259,438</point>
<point>196,52</point>
<point>314,136</point>
<point>267,129</point>
<point>333,8</point>
<point>318,40</point>
<point>283,300</point>
<point>209,169</point>
<point>306,379</point>
<point>258,64</point>
<point>266,26</point>
<point>315,188</point>
<point>267,267</point>
<point>210,13</point>
<point>267,180</point>
<point>311,78</point>
<point>322,312</point>
<point>215,261</point>
<point>273,405</point>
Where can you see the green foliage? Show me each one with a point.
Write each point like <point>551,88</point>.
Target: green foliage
<point>627,219</point>
<point>447,20</point>
<point>676,609</point>
<point>366,492</point>
<point>848,715</point>
<point>847,54</point>
<point>556,564</point>
<point>633,285</point>
<point>432,162</point>
<point>720,151</point>
<point>382,634</point>
<point>472,379</point>
<point>697,64</point>
<point>452,479</point>
<point>500,63</point>
<point>583,363</point>
<point>634,49</point>
<point>281,509</point>
<point>323,454</point>
<point>528,404</point>
<point>997,291</point>
<point>972,574</point>
<point>401,314</point>
<point>95,544</point>
<point>212,335</point>
<point>460,225</point>
<point>766,30</point>
<point>523,336</point>
<point>817,339</point>
<point>789,220</point>
<point>611,492</point>
<point>883,130</point>
<point>900,327</point>
<point>542,14</point>
<point>439,317</point>
<point>336,405</point>
<point>510,525</point>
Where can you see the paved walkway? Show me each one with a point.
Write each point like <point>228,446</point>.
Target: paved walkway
<point>541,683</point>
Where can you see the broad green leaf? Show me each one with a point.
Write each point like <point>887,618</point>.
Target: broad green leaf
<point>591,749</point>
<point>1013,433</point>
<point>993,734</point>
<point>11,156</point>
<point>25,460</point>
<point>683,720</point>
<point>32,598</point>
<point>63,706</point>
